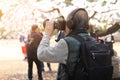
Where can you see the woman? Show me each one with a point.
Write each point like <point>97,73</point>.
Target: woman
<point>76,23</point>
<point>34,39</point>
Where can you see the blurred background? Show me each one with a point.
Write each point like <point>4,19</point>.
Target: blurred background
<point>17,16</point>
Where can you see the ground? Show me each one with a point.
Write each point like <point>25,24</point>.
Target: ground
<point>12,66</point>
<point>17,70</point>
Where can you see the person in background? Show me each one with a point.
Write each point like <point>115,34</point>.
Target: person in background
<point>34,39</point>
<point>23,46</point>
<point>76,24</point>
<point>49,66</point>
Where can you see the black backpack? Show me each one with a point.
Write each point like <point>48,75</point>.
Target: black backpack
<point>96,59</point>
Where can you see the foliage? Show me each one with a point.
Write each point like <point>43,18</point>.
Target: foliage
<point>2,30</point>
<point>18,16</point>
<point>1,14</point>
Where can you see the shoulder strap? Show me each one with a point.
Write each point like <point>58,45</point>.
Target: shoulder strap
<point>78,37</point>
<point>82,50</point>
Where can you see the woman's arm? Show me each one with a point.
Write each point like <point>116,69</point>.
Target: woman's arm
<point>58,53</point>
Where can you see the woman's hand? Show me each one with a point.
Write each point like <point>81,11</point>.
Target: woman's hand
<point>49,28</point>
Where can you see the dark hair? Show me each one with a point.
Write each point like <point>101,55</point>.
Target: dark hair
<point>77,19</point>
<point>34,27</point>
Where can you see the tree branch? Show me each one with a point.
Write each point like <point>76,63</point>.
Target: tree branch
<point>93,15</point>
<point>110,30</point>
<point>52,10</point>
<point>95,12</point>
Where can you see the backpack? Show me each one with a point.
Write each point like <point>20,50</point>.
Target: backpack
<point>96,60</point>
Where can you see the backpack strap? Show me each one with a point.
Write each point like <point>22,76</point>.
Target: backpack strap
<point>78,67</point>
<point>81,74</point>
<point>82,49</point>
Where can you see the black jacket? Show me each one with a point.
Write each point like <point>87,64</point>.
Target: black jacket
<point>33,42</point>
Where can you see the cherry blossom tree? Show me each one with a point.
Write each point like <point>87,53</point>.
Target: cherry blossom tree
<point>18,15</point>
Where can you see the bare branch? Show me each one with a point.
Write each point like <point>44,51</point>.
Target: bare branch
<point>95,12</point>
<point>109,10</point>
<point>110,30</point>
<point>93,15</point>
<point>51,10</point>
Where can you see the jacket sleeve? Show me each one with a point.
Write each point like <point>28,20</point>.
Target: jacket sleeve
<point>56,54</point>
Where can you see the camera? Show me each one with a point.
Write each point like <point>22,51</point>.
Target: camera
<point>59,23</point>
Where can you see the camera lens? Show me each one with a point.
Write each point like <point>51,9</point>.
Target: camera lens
<point>60,23</point>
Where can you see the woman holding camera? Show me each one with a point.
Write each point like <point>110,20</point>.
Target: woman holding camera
<point>76,23</point>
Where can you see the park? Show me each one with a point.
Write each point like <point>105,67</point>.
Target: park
<point>16,17</point>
